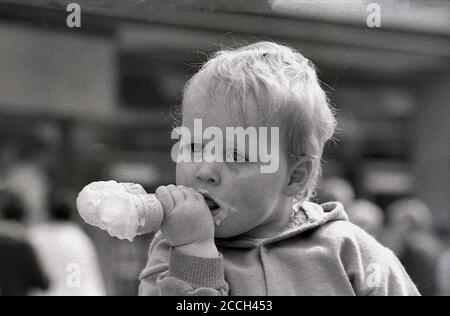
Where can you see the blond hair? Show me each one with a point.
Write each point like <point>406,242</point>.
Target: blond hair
<point>287,91</point>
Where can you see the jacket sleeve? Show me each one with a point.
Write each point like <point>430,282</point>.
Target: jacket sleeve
<point>373,269</point>
<point>170,272</point>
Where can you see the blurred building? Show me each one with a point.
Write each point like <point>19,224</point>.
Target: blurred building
<point>102,98</point>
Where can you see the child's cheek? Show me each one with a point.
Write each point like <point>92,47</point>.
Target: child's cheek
<point>184,174</point>
<point>254,188</point>
<point>243,169</point>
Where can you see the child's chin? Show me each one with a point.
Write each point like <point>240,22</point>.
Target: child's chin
<point>221,231</point>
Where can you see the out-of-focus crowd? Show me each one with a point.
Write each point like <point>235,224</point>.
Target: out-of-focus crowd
<point>52,258</point>
<point>49,254</point>
<point>406,226</point>
<point>42,249</point>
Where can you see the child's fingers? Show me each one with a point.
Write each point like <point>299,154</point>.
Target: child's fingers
<point>198,196</point>
<point>165,197</point>
<point>177,195</point>
<point>187,194</point>
<point>193,194</point>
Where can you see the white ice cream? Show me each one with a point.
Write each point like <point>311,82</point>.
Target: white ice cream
<point>124,210</point>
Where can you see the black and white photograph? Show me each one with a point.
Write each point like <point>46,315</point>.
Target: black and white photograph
<point>224,148</point>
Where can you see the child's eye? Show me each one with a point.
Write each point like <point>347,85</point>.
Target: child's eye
<point>236,156</point>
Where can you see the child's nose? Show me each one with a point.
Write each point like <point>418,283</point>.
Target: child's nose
<point>206,173</point>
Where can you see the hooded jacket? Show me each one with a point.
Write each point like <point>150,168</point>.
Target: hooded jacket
<point>319,253</point>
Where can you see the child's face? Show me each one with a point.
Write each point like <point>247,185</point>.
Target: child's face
<point>260,207</point>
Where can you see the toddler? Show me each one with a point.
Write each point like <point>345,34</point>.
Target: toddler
<point>231,229</point>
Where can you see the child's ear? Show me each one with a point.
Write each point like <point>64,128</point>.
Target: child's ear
<point>299,174</point>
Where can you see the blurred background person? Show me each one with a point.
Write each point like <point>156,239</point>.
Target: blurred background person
<point>20,269</point>
<point>368,216</point>
<point>23,173</point>
<point>410,234</point>
<point>68,255</point>
<point>335,189</point>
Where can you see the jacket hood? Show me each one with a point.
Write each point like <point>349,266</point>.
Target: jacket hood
<point>307,216</point>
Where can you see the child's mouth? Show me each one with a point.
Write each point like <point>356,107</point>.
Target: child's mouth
<point>211,204</point>
<point>219,212</point>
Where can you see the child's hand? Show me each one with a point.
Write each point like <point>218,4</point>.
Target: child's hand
<point>188,223</point>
